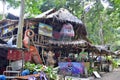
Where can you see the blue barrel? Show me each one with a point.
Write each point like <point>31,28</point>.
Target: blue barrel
<point>2,77</point>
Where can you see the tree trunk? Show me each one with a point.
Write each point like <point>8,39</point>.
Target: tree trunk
<point>21,24</point>
<point>101,33</point>
<point>3,16</point>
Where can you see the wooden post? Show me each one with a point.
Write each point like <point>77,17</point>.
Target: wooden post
<point>100,61</point>
<point>89,59</point>
<point>21,24</point>
<point>22,60</point>
<point>43,56</point>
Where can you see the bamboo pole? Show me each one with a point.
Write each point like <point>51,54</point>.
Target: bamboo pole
<point>20,26</point>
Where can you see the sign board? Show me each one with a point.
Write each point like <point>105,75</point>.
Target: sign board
<point>71,67</point>
<point>45,29</point>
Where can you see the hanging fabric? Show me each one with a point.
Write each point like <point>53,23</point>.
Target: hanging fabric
<point>10,41</point>
<point>67,30</point>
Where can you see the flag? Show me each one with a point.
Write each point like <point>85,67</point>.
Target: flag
<point>105,4</point>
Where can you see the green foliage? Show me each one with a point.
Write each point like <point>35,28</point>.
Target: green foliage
<point>47,70</point>
<point>0,16</point>
<point>69,79</point>
<point>109,19</point>
<point>13,3</point>
<point>114,64</point>
<point>29,66</point>
<point>90,71</point>
<point>33,7</point>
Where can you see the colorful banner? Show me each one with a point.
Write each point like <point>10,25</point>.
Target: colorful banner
<point>71,67</point>
<point>45,29</point>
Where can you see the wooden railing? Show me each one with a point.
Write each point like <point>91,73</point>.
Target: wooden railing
<point>40,39</point>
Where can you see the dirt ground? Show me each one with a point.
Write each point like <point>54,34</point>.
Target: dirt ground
<point>114,75</point>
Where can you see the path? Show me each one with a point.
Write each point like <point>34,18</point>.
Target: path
<point>115,75</point>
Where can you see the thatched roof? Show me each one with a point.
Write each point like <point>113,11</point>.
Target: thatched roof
<point>68,42</point>
<point>44,14</point>
<point>56,19</point>
<point>7,22</point>
<point>69,46</point>
<point>61,15</point>
<point>12,17</point>
<point>101,49</point>
<point>64,15</point>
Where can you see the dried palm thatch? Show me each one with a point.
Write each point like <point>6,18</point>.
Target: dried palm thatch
<point>100,49</point>
<point>64,15</point>
<point>7,22</point>
<point>43,15</point>
<point>81,43</point>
